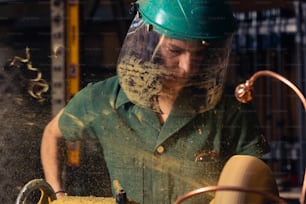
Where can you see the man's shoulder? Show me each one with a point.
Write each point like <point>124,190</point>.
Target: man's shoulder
<point>228,102</point>
<point>105,83</point>
<point>106,86</point>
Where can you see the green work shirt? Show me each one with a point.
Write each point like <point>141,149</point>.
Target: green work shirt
<point>158,163</point>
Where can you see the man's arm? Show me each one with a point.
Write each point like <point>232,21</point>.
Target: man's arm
<point>50,154</point>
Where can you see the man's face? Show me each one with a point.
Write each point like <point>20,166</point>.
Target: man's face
<point>182,60</point>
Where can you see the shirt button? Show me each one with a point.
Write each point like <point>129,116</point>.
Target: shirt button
<point>160,149</point>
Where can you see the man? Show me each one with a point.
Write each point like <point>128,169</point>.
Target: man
<point>166,123</point>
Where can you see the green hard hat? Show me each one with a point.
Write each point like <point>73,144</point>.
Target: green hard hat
<point>180,19</point>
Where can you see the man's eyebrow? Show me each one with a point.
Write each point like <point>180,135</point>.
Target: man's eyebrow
<point>194,49</point>
<point>175,46</point>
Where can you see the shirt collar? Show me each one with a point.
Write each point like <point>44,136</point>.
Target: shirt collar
<point>121,99</point>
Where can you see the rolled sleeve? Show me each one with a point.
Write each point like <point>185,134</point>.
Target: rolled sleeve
<point>76,118</point>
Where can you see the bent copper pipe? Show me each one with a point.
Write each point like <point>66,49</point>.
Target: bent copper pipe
<point>244,92</point>
<point>198,191</point>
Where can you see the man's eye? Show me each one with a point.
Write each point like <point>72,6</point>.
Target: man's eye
<point>175,51</point>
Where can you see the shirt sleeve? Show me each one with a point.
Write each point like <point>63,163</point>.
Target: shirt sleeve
<point>251,139</point>
<point>75,121</point>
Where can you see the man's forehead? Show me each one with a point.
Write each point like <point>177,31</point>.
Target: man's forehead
<point>183,44</point>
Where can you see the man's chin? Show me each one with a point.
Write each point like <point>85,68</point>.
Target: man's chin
<point>172,88</point>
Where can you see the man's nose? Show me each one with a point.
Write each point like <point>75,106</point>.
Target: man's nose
<point>185,62</point>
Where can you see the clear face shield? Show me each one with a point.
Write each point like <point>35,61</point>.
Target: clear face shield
<point>190,73</point>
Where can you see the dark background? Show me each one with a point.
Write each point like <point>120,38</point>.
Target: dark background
<point>271,36</point>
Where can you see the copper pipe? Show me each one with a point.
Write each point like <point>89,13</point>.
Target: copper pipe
<point>198,191</point>
<point>244,92</point>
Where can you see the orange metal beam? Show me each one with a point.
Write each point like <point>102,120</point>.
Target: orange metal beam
<point>73,64</point>
<point>72,70</point>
